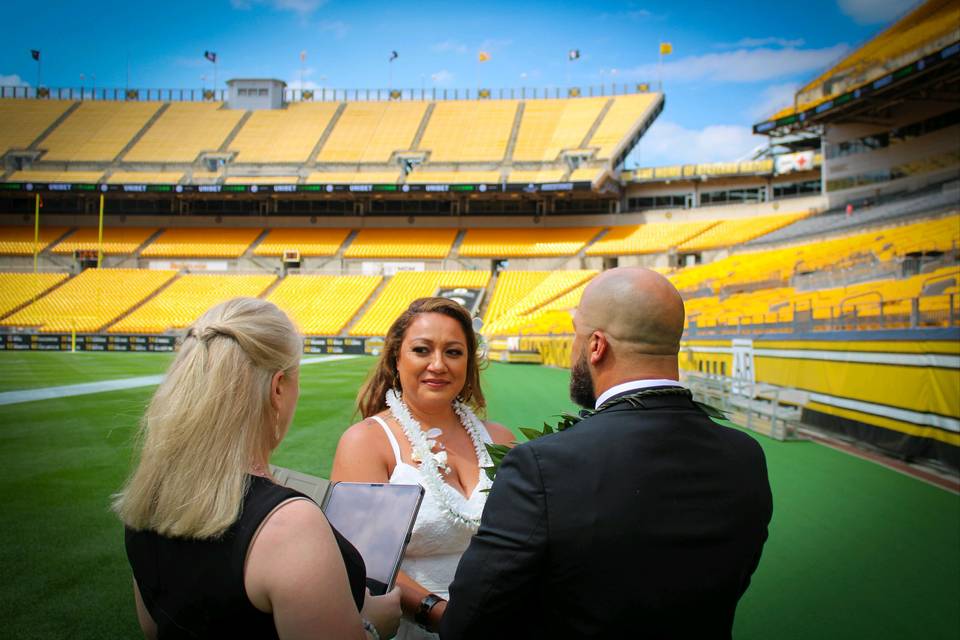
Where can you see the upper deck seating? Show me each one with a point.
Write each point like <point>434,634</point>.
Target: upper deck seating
<point>97,131</point>
<point>22,121</point>
<point>19,240</point>
<point>282,135</point>
<point>309,242</point>
<point>551,126</point>
<point>116,240</point>
<point>410,243</point>
<point>653,237</point>
<point>493,243</point>
<point>183,131</point>
<point>201,242</point>
<point>372,131</point>
<point>469,130</point>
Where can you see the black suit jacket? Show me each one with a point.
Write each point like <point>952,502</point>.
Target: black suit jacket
<point>636,522</point>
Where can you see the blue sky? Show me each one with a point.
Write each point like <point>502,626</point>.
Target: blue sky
<point>732,64</point>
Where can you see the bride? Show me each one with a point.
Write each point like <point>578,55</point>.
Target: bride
<point>420,427</point>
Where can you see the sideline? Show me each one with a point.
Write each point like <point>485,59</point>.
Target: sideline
<point>69,390</point>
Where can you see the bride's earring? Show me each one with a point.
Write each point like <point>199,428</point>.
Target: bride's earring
<point>276,427</point>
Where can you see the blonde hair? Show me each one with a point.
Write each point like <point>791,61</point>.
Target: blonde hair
<point>209,420</point>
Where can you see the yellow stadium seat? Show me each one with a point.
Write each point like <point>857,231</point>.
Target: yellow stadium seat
<point>469,130</point>
<point>116,240</point>
<point>370,132</point>
<point>551,126</point>
<point>90,301</point>
<point>283,135</point>
<point>410,243</point>
<point>187,297</point>
<point>502,243</point>
<point>309,242</point>
<point>323,304</point>
<point>19,240</point>
<point>17,289</point>
<point>97,131</point>
<point>201,242</point>
<point>183,131</point>
<point>654,237</point>
<point>22,121</point>
<point>404,288</point>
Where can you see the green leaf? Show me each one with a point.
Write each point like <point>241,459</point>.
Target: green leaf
<point>532,434</point>
<point>547,429</point>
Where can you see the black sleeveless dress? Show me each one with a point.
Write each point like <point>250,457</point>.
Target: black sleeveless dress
<point>195,588</point>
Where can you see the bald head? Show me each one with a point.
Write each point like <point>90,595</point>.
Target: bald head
<point>640,311</point>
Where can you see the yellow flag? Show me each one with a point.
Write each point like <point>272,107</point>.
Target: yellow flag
<point>483,56</point>
<point>666,48</point>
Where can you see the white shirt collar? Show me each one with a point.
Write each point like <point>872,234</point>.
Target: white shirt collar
<point>636,384</point>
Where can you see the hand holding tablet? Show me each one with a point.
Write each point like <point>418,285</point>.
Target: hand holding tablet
<point>377,519</point>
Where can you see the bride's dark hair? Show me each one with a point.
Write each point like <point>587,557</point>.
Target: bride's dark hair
<point>371,399</point>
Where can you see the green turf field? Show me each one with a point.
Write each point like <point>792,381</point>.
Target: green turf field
<point>855,550</point>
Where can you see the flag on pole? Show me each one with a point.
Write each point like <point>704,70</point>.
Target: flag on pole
<point>666,48</point>
<point>483,56</point>
<point>303,56</point>
<point>211,56</point>
<point>393,56</point>
<point>574,54</point>
<point>35,54</point>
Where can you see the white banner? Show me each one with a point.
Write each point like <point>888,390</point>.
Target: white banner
<point>191,265</point>
<point>390,268</point>
<point>789,162</point>
<point>744,375</point>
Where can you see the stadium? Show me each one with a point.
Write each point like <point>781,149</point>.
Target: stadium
<point>821,280</point>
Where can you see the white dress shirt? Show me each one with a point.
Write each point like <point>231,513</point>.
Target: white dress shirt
<point>633,385</point>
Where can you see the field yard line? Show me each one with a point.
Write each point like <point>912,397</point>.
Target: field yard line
<point>66,391</point>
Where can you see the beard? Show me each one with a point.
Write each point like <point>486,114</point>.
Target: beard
<point>581,383</point>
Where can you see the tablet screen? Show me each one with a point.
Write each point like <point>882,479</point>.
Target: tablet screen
<point>377,519</point>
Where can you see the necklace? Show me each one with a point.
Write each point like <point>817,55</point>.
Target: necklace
<point>432,464</point>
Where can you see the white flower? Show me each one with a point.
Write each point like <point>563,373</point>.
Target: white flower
<point>441,458</point>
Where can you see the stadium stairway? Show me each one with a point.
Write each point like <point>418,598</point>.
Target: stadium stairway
<point>512,140</point>
<point>56,123</point>
<point>365,306</point>
<point>455,247</point>
<point>596,124</point>
<point>488,294</point>
<point>317,148</point>
<point>418,136</point>
<point>150,297</point>
<point>143,130</point>
<point>225,145</point>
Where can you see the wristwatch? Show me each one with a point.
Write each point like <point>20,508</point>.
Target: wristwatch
<point>422,616</point>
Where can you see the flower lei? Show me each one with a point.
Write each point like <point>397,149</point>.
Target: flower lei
<point>432,464</point>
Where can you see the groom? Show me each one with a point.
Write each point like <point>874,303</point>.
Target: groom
<point>645,520</point>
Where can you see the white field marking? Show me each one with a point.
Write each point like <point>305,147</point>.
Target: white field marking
<point>69,390</point>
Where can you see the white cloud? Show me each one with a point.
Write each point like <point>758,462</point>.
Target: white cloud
<point>493,44</point>
<point>307,84</point>
<point>449,46</point>
<point>743,65</point>
<point>338,28</point>
<point>300,7</point>
<point>668,143</point>
<point>442,77</point>
<point>13,81</point>
<point>874,11</point>
<point>774,98</point>
<point>750,43</point>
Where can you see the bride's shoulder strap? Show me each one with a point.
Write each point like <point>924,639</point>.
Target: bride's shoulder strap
<point>393,440</point>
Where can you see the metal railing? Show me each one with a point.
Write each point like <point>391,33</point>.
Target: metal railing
<point>325,94</point>
<point>941,310</point>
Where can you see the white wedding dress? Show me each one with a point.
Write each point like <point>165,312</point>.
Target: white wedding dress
<point>438,538</point>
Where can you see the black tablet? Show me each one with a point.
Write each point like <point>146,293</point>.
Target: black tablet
<point>377,519</point>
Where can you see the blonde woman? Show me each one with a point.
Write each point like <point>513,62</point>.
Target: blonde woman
<point>217,548</point>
